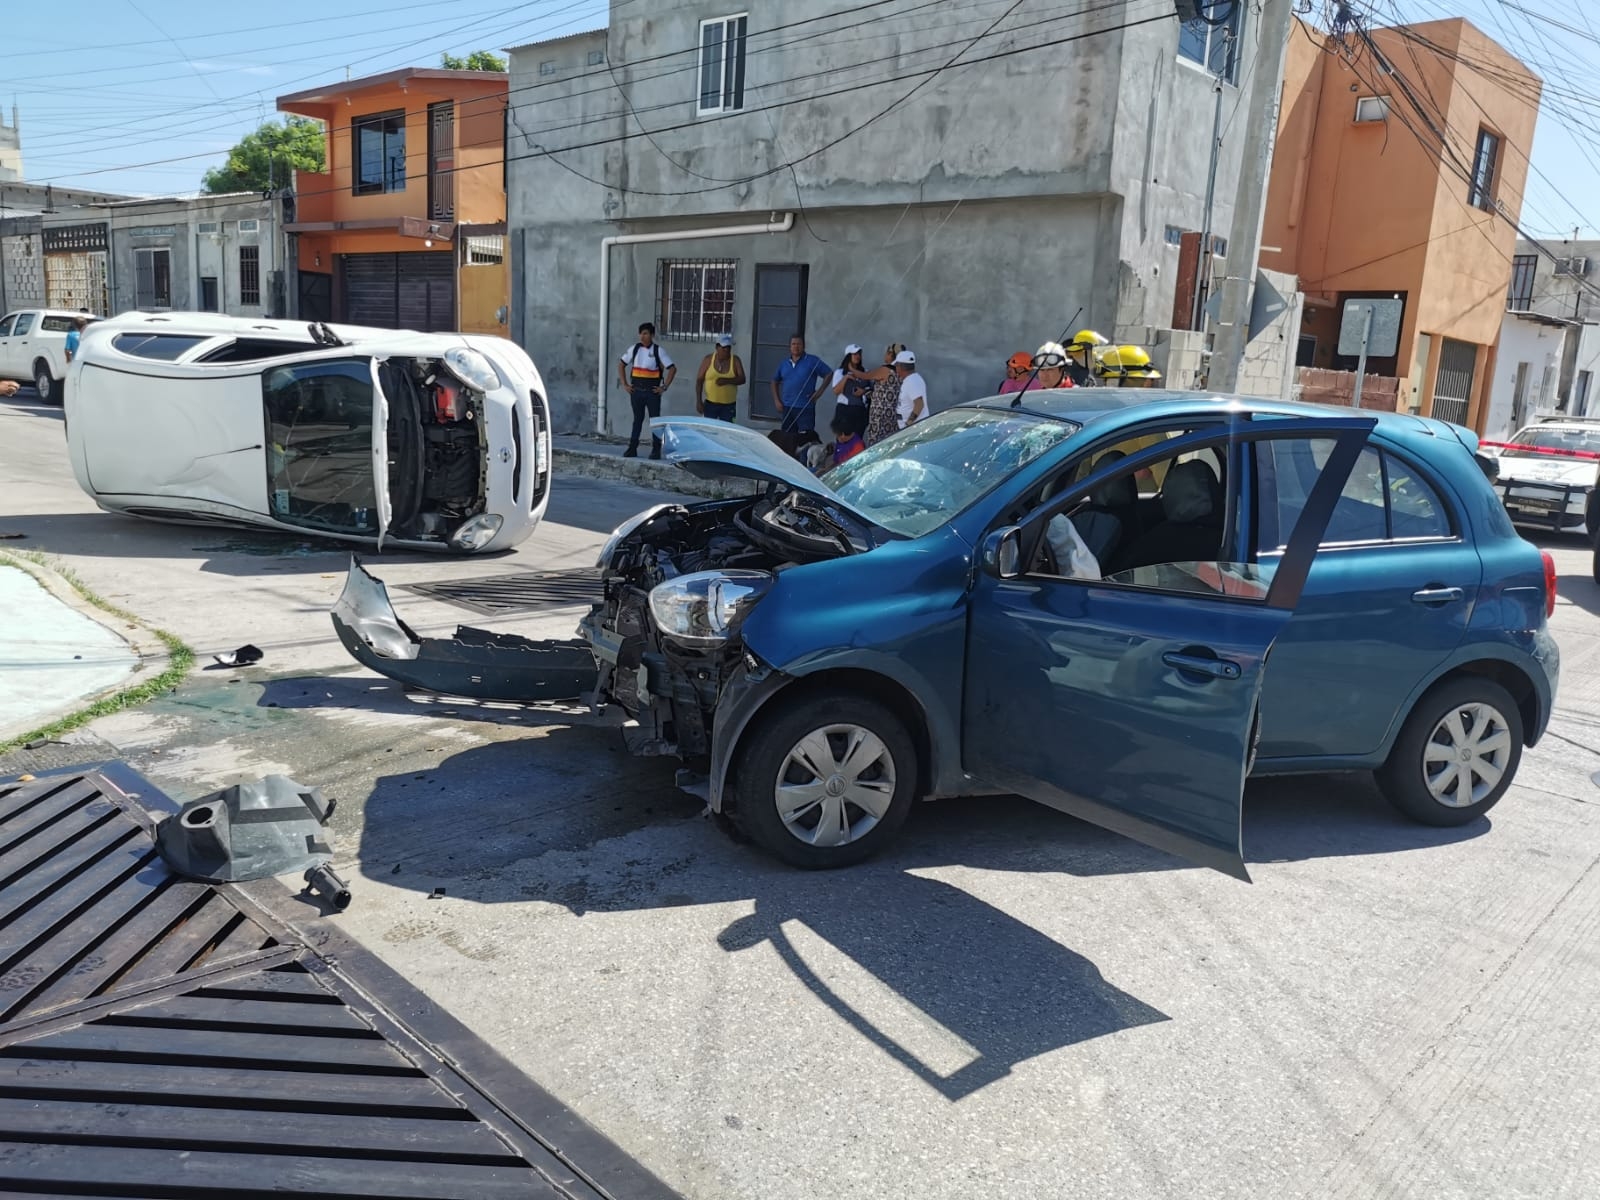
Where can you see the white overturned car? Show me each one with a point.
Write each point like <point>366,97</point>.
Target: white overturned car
<point>1548,473</point>
<point>429,441</point>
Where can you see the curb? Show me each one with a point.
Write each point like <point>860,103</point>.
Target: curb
<point>645,473</point>
<point>152,653</point>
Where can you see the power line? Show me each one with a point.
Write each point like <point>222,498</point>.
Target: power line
<point>607,118</point>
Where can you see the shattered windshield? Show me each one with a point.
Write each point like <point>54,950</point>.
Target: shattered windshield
<point>917,480</point>
<point>319,445</point>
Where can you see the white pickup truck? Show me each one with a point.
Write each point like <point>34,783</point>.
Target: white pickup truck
<point>1548,474</point>
<point>33,348</point>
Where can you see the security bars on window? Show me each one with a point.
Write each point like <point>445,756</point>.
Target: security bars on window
<point>694,297</point>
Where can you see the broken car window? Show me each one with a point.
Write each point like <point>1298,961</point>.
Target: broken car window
<point>319,445</point>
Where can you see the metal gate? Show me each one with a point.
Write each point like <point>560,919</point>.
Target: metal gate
<point>1452,387</point>
<point>74,281</point>
<point>316,296</point>
<point>401,291</point>
<point>780,314</point>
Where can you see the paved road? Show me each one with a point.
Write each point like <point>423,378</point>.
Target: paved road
<point>1012,1003</point>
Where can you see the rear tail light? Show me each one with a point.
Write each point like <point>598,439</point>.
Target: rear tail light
<point>1549,583</point>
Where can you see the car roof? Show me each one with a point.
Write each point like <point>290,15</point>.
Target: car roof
<point>217,325</point>
<point>1095,404</point>
<point>52,312</point>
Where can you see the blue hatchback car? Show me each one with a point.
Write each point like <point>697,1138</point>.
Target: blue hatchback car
<point>1119,604</point>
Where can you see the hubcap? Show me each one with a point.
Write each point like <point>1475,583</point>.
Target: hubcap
<point>1466,755</point>
<point>41,382</point>
<point>835,786</point>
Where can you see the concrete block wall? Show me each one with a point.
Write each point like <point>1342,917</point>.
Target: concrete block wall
<point>24,270</point>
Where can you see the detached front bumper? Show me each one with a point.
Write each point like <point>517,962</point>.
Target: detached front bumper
<point>479,664</point>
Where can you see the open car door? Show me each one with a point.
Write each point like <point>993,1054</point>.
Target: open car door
<point>1131,701</point>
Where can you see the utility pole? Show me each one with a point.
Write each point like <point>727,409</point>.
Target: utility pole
<point>1244,236</point>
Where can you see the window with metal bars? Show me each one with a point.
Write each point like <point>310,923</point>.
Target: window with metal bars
<point>249,276</point>
<point>1519,297</point>
<point>694,297</point>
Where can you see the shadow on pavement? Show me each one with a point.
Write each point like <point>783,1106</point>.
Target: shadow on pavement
<point>529,818</point>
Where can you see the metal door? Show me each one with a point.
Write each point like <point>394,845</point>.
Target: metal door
<point>401,291</point>
<point>1452,387</point>
<point>316,296</point>
<point>780,313</point>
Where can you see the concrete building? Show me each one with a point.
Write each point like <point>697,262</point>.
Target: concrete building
<point>406,227</point>
<point>714,171</point>
<point>1359,205</point>
<point>1549,356</point>
<point>24,207</point>
<point>11,148</point>
<point>177,253</point>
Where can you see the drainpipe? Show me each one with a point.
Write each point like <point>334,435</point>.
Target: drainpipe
<point>633,239</point>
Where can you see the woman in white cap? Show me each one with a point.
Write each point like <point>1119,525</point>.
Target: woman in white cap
<point>852,387</point>
<point>883,405</point>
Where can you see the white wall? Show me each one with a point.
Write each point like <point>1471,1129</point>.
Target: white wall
<point>1523,341</point>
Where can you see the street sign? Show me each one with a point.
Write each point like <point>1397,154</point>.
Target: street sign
<point>1384,338</point>
<point>1266,306</point>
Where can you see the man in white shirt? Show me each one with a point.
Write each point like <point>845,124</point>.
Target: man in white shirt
<point>913,389</point>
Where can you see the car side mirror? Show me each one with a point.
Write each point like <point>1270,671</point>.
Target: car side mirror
<point>1002,553</point>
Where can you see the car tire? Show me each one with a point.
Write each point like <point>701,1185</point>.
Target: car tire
<point>787,751</point>
<point>1417,778</point>
<point>48,387</point>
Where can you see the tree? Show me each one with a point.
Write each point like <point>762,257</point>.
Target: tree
<point>478,60</point>
<point>264,159</point>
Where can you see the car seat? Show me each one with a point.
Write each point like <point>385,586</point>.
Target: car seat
<point>1110,520</point>
<point>1191,502</point>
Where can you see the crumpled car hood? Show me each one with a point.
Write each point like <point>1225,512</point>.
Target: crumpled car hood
<point>715,449</point>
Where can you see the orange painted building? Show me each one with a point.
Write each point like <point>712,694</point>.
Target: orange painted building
<point>406,227</point>
<point>1359,205</point>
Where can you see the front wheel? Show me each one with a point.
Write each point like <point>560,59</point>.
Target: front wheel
<point>1456,755</point>
<point>825,782</point>
<point>44,383</point>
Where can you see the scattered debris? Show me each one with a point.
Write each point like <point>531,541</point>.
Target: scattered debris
<point>436,894</point>
<point>323,882</point>
<point>12,537</point>
<point>245,656</point>
<point>271,826</point>
<point>25,778</point>
<point>41,743</point>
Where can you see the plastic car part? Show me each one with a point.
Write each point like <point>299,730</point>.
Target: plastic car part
<point>479,664</point>
<point>270,826</point>
<point>323,882</point>
<point>245,656</point>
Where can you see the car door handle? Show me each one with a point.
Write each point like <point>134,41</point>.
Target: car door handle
<point>1220,668</point>
<point>1438,595</point>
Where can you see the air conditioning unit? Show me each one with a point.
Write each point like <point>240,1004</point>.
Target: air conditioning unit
<point>1572,266</point>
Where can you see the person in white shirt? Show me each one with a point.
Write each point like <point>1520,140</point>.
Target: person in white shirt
<point>913,389</point>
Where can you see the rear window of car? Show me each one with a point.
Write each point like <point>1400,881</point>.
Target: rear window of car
<point>56,324</point>
<point>163,346</point>
<point>1384,499</point>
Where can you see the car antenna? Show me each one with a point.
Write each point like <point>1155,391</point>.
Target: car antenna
<point>1016,401</point>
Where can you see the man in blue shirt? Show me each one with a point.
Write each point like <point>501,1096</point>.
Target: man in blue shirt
<point>74,335</point>
<point>792,387</point>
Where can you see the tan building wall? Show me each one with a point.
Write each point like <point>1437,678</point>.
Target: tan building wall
<point>1369,208</point>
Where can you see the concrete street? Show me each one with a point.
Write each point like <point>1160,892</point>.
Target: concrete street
<point>1010,1003</point>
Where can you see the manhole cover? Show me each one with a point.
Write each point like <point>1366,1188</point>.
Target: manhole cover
<point>495,595</point>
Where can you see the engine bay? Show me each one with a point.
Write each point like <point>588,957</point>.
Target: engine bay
<point>437,444</point>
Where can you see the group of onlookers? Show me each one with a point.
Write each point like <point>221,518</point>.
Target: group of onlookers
<point>870,404</point>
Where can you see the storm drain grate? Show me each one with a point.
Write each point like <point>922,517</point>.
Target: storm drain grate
<point>496,595</point>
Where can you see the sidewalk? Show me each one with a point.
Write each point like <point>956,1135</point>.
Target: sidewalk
<point>52,655</point>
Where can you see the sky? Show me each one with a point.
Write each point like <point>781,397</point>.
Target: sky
<point>142,96</point>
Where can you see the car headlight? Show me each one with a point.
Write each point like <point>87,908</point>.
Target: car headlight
<point>704,608</point>
<point>623,530</point>
<point>476,532</point>
<point>472,368</point>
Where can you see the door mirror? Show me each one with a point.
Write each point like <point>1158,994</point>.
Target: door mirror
<point>1002,553</point>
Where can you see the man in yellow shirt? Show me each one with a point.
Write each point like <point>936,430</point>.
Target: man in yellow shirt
<point>716,387</point>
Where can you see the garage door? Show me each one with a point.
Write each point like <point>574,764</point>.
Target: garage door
<point>401,291</point>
